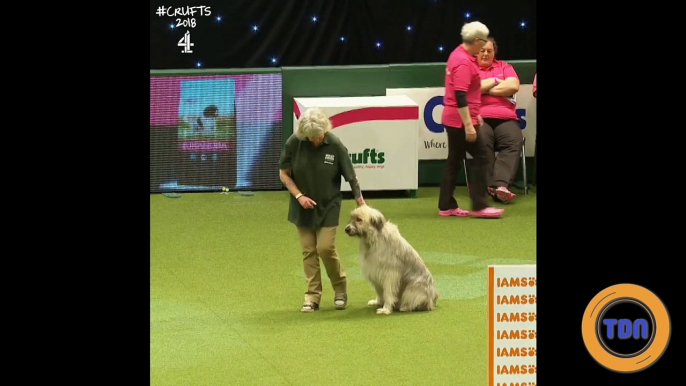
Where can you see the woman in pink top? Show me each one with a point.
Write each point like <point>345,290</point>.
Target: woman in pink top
<point>499,84</point>
<point>462,120</point>
<point>535,75</point>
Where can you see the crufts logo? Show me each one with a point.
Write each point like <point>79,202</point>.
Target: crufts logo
<point>626,328</point>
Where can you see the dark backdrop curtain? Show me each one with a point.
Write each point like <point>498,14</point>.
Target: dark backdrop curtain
<point>287,32</point>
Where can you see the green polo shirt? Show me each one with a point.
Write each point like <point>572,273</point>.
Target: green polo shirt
<point>317,172</point>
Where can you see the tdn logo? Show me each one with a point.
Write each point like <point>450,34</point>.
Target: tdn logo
<point>626,328</point>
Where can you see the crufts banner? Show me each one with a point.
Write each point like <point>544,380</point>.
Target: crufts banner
<point>433,142</point>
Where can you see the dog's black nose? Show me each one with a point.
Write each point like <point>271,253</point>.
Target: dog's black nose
<point>347,228</point>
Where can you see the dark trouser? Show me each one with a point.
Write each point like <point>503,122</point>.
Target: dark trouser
<point>457,146</point>
<point>505,137</point>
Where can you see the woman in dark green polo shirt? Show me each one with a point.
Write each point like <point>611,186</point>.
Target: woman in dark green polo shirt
<point>311,165</point>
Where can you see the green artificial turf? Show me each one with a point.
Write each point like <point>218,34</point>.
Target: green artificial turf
<point>226,287</point>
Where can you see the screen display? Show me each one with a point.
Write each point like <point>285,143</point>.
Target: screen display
<point>210,132</point>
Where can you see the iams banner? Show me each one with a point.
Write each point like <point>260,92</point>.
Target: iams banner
<point>433,142</point>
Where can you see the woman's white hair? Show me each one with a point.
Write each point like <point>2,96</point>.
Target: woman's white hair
<point>313,123</point>
<point>473,30</point>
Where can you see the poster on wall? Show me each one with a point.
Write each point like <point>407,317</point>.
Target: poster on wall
<point>206,132</point>
<point>433,141</point>
<point>214,131</point>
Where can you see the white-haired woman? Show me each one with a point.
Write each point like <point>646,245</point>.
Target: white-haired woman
<point>311,165</point>
<point>461,120</point>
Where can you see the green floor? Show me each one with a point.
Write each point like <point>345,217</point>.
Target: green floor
<point>226,286</point>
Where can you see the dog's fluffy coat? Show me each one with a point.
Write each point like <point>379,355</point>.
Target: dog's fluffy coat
<point>394,268</point>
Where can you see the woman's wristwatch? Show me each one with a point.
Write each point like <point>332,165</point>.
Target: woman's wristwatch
<point>298,196</point>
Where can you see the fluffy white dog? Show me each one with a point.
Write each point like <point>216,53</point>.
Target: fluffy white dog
<point>401,279</point>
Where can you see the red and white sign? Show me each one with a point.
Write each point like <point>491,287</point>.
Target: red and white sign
<point>381,135</point>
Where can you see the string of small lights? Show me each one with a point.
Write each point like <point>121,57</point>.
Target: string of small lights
<point>264,28</point>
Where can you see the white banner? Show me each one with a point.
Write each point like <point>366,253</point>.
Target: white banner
<point>433,142</point>
<point>512,325</point>
<point>380,134</point>
<point>526,110</point>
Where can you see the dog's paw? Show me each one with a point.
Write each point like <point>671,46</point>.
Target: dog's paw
<point>383,311</point>
<point>373,303</point>
<point>404,309</point>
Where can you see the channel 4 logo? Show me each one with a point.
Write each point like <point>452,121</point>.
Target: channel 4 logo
<point>626,328</point>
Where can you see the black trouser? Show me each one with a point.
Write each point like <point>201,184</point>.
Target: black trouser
<point>505,137</point>
<point>457,146</point>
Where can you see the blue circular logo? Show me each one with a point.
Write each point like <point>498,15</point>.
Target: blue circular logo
<point>432,125</point>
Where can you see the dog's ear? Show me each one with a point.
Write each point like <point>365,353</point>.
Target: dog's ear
<point>377,222</point>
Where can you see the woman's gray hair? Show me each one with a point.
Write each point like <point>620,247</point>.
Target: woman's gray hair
<point>473,30</point>
<point>313,123</point>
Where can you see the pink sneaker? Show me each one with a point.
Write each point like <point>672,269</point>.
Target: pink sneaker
<point>454,212</point>
<point>487,212</point>
<point>505,195</point>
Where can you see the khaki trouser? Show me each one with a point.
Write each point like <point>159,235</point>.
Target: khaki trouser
<point>316,244</point>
